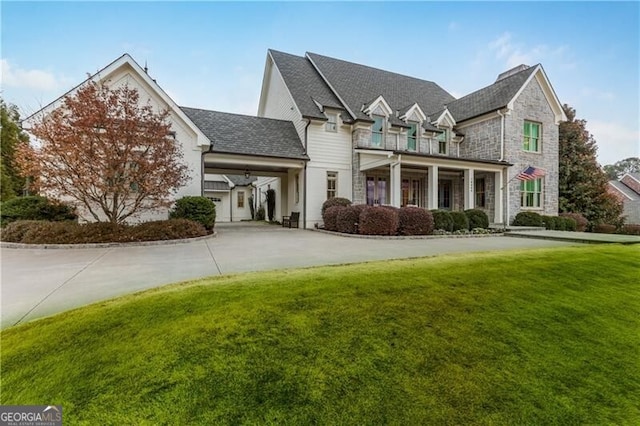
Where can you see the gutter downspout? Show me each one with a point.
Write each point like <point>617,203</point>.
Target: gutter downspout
<point>304,189</point>
<point>505,197</point>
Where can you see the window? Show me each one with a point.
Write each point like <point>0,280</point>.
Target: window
<point>332,124</point>
<point>240,200</point>
<point>377,131</point>
<point>411,190</point>
<point>531,193</point>
<point>412,137</point>
<point>376,190</point>
<point>531,137</point>
<point>481,199</point>
<point>442,141</point>
<point>332,184</point>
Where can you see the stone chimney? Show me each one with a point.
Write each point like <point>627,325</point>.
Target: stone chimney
<point>512,71</point>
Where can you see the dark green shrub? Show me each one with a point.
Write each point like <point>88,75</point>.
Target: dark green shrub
<point>196,208</point>
<point>260,214</point>
<point>630,229</point>
<point>331,218</point>
<point>527,219</point>
<point>336,201</point>
<point>347,219</point>
<point>581,221</point>
<point>271,203</point>
<point>460,221</point>
<point>442,220</point>
<point>569,223</point>
<point>604,228</point>
<point>376,220</point>
<point>551,223</point>
<point>35,207</point>
<point>477,219</point>
<point>415,221</point>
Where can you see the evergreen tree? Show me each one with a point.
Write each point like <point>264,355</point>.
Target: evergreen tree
<point>582,183</point>
<point>622,167</point>
<point>11,183</point>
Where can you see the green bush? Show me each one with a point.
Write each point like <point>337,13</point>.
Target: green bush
<point>376,220</point>
<point>570,223</point>
<point>460,221</point>
<point>35,207</point>
<point>550,223</point>
<point>415,221</point>
<point>581,221</point>
<point>477,219</point>
<point>527,219</point>
<point>442,220</point>
<point>197,208</point>
<point>260,214</point>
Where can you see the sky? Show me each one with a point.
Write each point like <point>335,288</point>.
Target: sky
<point>211,55</point>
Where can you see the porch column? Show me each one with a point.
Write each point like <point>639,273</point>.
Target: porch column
<point>285,190</point>
<point>469,198</point>
<point>396,190</point>
<point>432,194</point>
<point>499,202</point>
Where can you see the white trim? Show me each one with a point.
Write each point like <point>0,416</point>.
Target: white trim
<point>548,91</point>
<point>379,101</point>
<point>415,108</point>
<point>618,190</point>
<point>445,119</point>
<point>631,176</point>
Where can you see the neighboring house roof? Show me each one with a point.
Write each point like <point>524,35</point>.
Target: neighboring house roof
<point>239,180</point>
<point>247,135</point>
<point>357,84</point>
<point>305,85</point>
<point>490,98</point>
<point>215,185</point>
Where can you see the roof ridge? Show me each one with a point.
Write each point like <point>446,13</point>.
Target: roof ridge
<point>530,69</point>
<point>233,113</point>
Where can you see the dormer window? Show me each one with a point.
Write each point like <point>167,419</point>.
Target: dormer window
<point>377,131</point>
<point>443,139</point>
<point>412,136</point>
<point>332,123</point>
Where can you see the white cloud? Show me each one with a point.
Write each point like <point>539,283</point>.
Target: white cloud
<point>12,76</point>
<point>514,53</point>
<point>615,140</point>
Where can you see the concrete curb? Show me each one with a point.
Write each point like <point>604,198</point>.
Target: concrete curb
<point>21,246</point>
<point>405,237</point>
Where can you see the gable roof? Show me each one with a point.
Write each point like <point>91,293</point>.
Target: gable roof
<point>490,98</point>
<point>356,84</point>
<point>304,84</point>
<point>248,135</point>
<point>240,180</point>
<point>629,193</point>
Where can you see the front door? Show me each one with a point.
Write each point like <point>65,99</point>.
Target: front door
<point>376,190</point>
<point>444,194</point>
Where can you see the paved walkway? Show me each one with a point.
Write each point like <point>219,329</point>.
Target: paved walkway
<point>42,282</point>
<point>579,237</point>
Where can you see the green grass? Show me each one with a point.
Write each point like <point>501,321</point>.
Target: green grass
<point>523,337</point>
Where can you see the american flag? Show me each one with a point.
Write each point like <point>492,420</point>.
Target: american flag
<point>530,173</point>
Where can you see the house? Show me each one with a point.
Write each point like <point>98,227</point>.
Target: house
<point>378,137</point>
<point>331,128</point>
<point>627,191</point>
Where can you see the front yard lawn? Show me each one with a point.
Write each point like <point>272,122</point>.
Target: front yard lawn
<point>523,337</point>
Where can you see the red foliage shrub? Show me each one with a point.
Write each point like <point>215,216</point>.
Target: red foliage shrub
<point>330,217</point>
<point>581,221</point>
<point>604,228</point>
<point>347,219</point>
<point>378,221</point>
<point>630,229</point>
<point>415,221</point>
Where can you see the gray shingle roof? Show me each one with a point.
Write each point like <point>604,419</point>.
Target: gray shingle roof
<point>630,193</point>
<point>305,84</point>
<point>358,84</point>
<point>243,134</point>
<point>490,98</point>
<point>240,180</point>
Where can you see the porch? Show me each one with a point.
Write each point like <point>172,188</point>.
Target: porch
<point>429,181</point>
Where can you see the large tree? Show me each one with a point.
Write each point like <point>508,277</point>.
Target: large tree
<point>12,136</point>
<point>622,167</point>
<point>582,183</point>
<point>107,152</point>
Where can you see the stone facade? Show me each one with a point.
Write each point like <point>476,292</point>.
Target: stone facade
<point>482,140</point>
<point>360,138</point>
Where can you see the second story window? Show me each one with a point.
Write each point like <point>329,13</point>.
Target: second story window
<point>332,124</point>
<point>412,137</point>
<point>443,138</point>
<point>377,131</point>
<point>531,137</point>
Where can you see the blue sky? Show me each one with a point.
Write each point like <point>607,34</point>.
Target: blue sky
<point>211,54</point>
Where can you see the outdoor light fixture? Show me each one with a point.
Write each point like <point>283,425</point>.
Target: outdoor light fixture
<point>247,174</point>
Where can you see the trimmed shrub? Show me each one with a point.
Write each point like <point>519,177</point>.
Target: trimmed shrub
<point>569,223</point>
<point>35,207</point>
<point>630,229</point>
<point>415,221</point>
<point>260,214</point>
<point>550,223</point>
<point>527,219</point>
<point>347,218</point>
<point>477,218</point>
<point>335,201</point>
<point>14,231</point>
<point>331,218</point>
<point>378,221</point>
<point>581,221</point>
<point>172,229</point>
<point>196,208</point>
<point>442,220</point>
<point>460,221</point>
<point>604,228</point>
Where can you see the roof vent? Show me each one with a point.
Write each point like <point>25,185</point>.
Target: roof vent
<point>512,71</point>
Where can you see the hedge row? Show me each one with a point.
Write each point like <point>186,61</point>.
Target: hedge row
<point>35,207</point>
<point>44,232</point>
<point>458,221</point>
<point>553,223</point>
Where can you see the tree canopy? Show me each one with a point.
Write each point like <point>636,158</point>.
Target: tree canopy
<point>111,155</point>
<point>622,167</point>
<point>12,136</point>
<point>582,183</point>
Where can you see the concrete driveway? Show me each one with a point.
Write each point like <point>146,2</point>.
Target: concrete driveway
<point>42,282</point>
